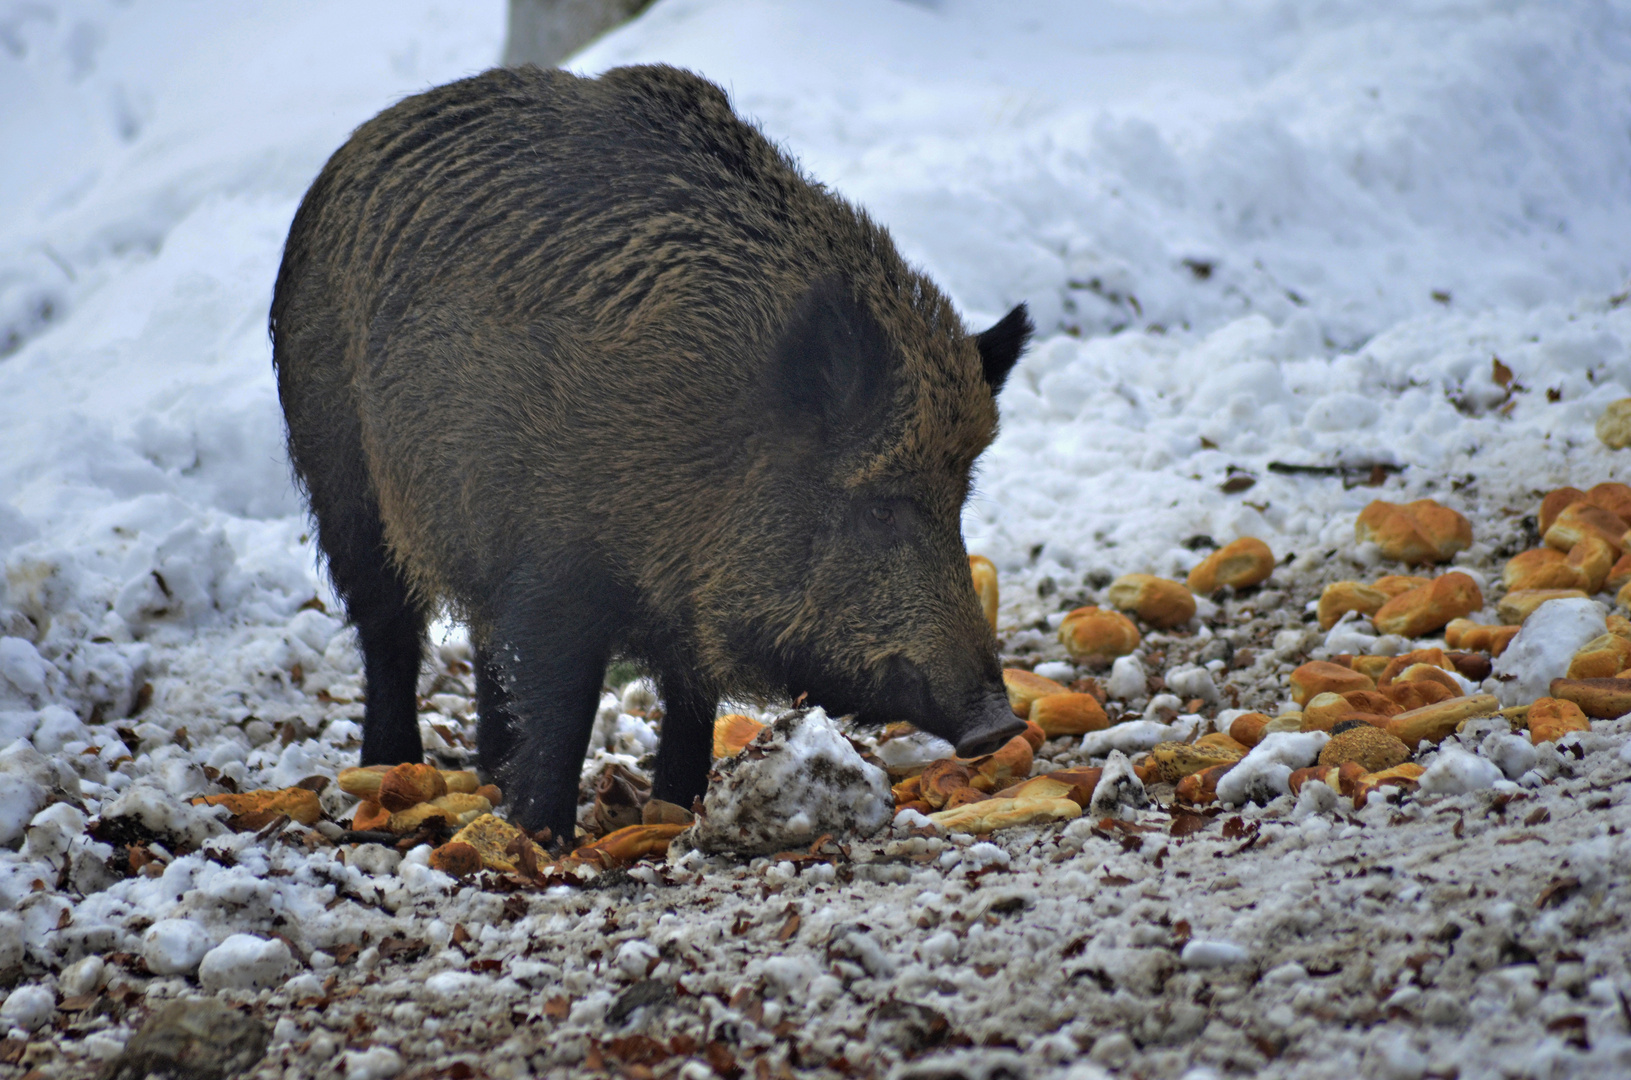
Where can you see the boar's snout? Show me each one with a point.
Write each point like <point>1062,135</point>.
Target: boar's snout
<point>992,724</point>
<point>976,722</point>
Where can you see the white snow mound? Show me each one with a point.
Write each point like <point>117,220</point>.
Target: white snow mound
<point>798,779</point>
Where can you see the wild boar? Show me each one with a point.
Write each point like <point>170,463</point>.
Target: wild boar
<point>591,363</point>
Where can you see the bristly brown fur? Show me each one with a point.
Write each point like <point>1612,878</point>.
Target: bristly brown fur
<point>592,363</point>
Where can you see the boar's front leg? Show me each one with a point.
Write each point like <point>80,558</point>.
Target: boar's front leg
<point>546,659</point>
<point>496,729</point>
<point>685,752</point>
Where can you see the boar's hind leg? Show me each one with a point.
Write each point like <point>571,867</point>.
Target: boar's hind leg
<point>390,626</point>
<point>685,751</point>
<point>391,631</point>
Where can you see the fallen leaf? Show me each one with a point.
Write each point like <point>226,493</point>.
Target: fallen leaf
<point>1558,891</point>
<point>790,927</point>
<point>1185,824</point>
<point>1572,1029</point>
<point>721,1060</point>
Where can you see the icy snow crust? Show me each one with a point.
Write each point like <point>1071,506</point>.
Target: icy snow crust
<point>1250,233</point>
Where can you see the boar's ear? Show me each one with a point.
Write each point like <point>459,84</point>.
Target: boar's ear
<point>1001,345</point>
<point>831,365</point>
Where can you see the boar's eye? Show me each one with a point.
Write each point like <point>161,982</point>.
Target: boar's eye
<point>885,520</point>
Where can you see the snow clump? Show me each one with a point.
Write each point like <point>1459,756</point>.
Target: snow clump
<point>82,976</point>
<point>26,781</point>
<point>1119,792</point>
<point>1513,754</point>
<point>1137,735</point>
<point>1127,679</point>
<point>1541,652</point>
<point>244,962</point>
<point>797,780</point>
<point>1455,771</point>
<point>149,811</point>
<point>374,1063</point>
<point>919,748</point>
<point>1211,954</point>
<point>174,946</point>
<point>28,1007</point>
<point>52,831</point>
<point>20,799</point>
<point>1266,771</point>
<point>1192,682</point>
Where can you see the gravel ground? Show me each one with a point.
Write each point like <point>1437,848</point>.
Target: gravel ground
<point>1471,935</point>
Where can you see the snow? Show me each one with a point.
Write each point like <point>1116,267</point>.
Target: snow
<point>1551,635</point>
<point>980,855</point>
<point>82,976</point>
<point>1513,754</point>
<point>19,799</point>
<point>1314,800</point>
<point>1058,670</point>
<point>55,727</point>
<point>1198,953</point>
<point>1119,792</point>
<point>374,1063</point>
<point>917,749</point>
<point>907,820</point>
<point>51,831</point>
<point>453,984</point>
<point>26,779</point>
<point>803,780</point>
<point>1130,139</point>
<point>634,958</point>
<point>1454,771</point>
<point>1192,682</point>
<point>1136,735</point>
<point>1127,678</point>
<point>161,812</point>
<point>788,975</point>
<point>175,946</point>
<point>375,859</point>
<point>22,667</point>
<point>244,962</point>
<point>1263,773</point>
<point>28,1007</point>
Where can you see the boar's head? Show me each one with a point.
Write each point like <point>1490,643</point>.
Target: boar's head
<point>873,406</point>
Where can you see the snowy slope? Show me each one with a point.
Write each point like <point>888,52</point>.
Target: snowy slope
<point>158,154</point>
<point>1334,162</point>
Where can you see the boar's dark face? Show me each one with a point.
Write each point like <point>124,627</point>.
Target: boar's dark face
<point>880,416</point>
